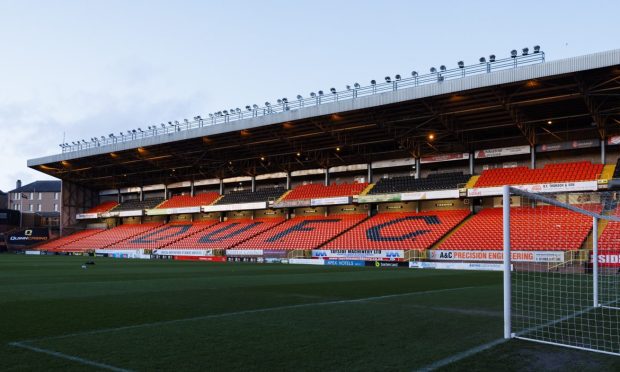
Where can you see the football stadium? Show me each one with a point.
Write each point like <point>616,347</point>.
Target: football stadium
<point>460,219</point>
<point>309,186</point>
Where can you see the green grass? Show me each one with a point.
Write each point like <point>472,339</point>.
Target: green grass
<point>432,315</point>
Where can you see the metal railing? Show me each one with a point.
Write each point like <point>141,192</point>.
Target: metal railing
<point>284,105</point>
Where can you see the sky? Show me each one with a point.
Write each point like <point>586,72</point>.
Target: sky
<point>78,69</point>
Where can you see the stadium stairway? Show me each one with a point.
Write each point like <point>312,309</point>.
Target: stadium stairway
<point>608,172</point>
<point>472,181</point>
<point>453,231</point>
<point>367,189</point>
<point>283,196</point>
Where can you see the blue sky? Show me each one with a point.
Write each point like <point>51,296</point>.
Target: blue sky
<point>89,68</point>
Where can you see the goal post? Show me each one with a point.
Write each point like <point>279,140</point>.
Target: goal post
<point>561,278</point>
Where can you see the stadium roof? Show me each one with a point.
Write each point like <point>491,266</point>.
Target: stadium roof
<point>563,100</point>
<point>39,186</point>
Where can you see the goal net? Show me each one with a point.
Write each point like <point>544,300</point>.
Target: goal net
<point>556,292</point>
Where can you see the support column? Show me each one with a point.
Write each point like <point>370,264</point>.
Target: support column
<point>141,193</point>
<point>533,157</point>
<point>417,168</point>
<point>118,196</point>
<point>326,176</point>
<point>603,150</point>
<point>192,192</point>
<point>471,163</point>
<point>165,192</point>
<point>507,250</point>
<point>221,186</point>
<point>369,173</point>
<point>288,180</point>
<point>253,187</point>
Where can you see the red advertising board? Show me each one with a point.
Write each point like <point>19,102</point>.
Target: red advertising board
<point>608,258</point>
<point>201,258</point>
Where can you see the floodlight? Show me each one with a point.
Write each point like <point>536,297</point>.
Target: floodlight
<point>397,77</point>
<point>170,123</point>
<point>186,121</point>
<point>103,138</point>
<point>525,51</point>
<point>492,58</point>
<point>133,131</point>
<point>482,60</point>
<point>433,70</point>
<point>255,106</point>
<point>249,108</point>
<point>348,87</point>
<point>388,79</point>
<point>461,64</point>
<point>356,85</point>
<point>320,92</point>
<point>442,68</point>
<point>225,112</point>
<point>333,90</point>
<point>267,104</point>
<point>140,129</point>
<point>513,53</point>
<point>176,122</point>
<point>285,100</point>
<point>299,97</point>
<point>279,100</point>
<point>414,73</point>
<point>312,94</point>
<point>536,48</point>
<point>373,82</point>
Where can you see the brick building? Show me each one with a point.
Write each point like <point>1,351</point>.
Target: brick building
<point>38,201</point>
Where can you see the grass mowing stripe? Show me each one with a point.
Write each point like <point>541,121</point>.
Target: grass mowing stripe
<point>57,354</point>
<point>245,312</point>
<point>460,356</point>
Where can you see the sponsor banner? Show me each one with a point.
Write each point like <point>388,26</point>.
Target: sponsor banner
<point>368,254</point>
<point>122,253</point>
<point>109,214</point>
<point>614,140</point>
<point>306,261</point>
<point>386,264</point>
<point>569,145</point>
<point>279,253</point>
<point>344,263</point>
<point>541,188</point>
<point>330,201</point>
<point>130,213</point>
<point>244,259</point>
<point>201,258</point>
<point>269,260</point>
<point>183,252</point>
<point>244,252</point>
<point>457,266</point>
<point>292,203</point>
<point>234,207</point>
<point>28,237</point>
<point>517,256</point>
<point>502,151</point>
<point>439,194</point>
<point>445,157</point>
<point>33,253</point>
<point>378,198</point>
<point>607,258</point>
<point>86,216</point>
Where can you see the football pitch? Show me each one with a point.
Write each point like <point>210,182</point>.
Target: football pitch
<point>133,315</point>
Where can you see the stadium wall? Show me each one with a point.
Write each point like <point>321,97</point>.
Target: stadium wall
<point>75,199</point>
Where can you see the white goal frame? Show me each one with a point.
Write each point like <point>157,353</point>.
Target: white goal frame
<point>509,270</point>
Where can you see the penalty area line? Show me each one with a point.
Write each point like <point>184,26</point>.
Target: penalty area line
<point>72,358</point>
<point>460,356</point>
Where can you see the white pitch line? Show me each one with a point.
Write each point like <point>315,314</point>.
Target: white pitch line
<point>460,356</point>
<point>244,312</point>
<point>73,358</point>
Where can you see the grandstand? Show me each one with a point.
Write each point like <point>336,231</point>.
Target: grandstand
<point>407,166</point>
